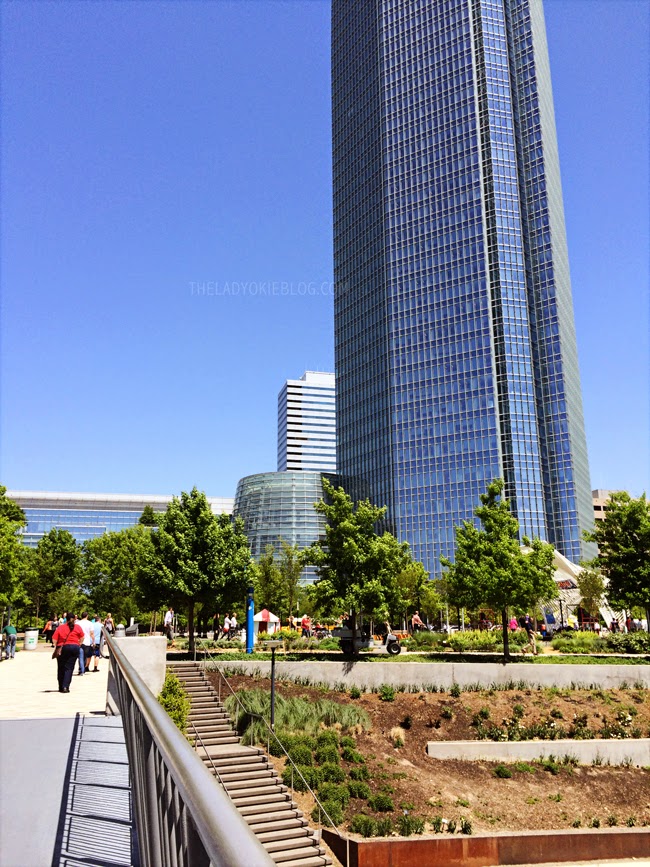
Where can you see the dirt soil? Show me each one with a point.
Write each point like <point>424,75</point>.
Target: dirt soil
<point>530,800</point>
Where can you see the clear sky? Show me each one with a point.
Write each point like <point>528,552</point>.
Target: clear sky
<point>151,148</point>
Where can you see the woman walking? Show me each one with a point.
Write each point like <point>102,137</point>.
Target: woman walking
<point>66,640</point>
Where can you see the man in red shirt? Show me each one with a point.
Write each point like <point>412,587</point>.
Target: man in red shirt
<point>66,640</point>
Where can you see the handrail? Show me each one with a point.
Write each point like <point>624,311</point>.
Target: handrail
<point>294,766</point>
<point>183,819</point>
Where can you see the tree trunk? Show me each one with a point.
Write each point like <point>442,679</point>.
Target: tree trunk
<point>190,625</point>
<point>647,618</point>
<point>504,626</point>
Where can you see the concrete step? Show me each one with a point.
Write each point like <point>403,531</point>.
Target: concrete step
<point>258,812</point>
<point>206,754</point>
<point>256,784</point>
<point>301,855</point>
<point>314,861</point>
<point>295,841</point>
<point>252,775</point>
<point>284,836</point>
<point>244,799</point>
<point>208,741</point>
<point>229,765</point>
<point>275,822</point>
<point>238,752</point>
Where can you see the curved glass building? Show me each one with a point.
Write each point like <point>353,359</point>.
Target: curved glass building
<point>277,506</point>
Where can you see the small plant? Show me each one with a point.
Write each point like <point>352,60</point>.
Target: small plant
<point>462,802</point>
<point>576,823</point>
<point>175,700</point>
<point>451,826</point>
<point>436,824</point>
<point>484,713</point>
<point>630,821</point>
<point>331,773</point>
<point>310,777</point>
<point>455,690</point>
<point>465,825</point>
<point>518,711</point>
<point>407,722</point>
<point>503,772</point>
<point>407,825</point>
<point>349,754</point>
<point>595,823</point>
<point>334,811</point>
<point>557,798</point>
<point>381,803</point>
<point>532,800</point>
<point>407,805</point>
<point>524,768</point>
<point>327,738</point>
<point>300,754</point>
<point>612,821</point>
<point>446,713</point>
<point>334,792</point>
<point>355,693</point>
<point>557,714</point>
<point>347,741</point>
<point>361,773</point>
<point>386,692</point>
<point>549,764</point>
<point>326,754</point>
<point>597,760</point>
<point>359,790</point>
<point>364,825</point>
<point>397,736</point>
<point>384,827</point>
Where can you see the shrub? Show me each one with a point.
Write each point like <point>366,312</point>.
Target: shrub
<point>446,713</point>
<point>386,692</point>
<point>407,825</point>
<point>451,826</point>
<point>630,821</point>
<point>364,825</point>
<point>524,768</point>
<point>355,693</point>
<point>329,643</point>
<point>384,827</point>
<point>381,803</point>
<point>332,808</point>
<point>347,741</point>
<point>455,690</point>
<point>612,821</point>
<point>300,754</point>
<point>576,823</point>
<point>331,773</point>
<point>503,772</point>
<point>334,792</point>
<point>351,755</point>
<point>595,823</point>
<point>327,754</point>
<point>436,824</point>
<point>327,738</point>
<point>465,826</point>
<point>361,773</point>
<point>631,642</point>
<point>312,777</point>
<point>175,700</point>
<point>358,789</point>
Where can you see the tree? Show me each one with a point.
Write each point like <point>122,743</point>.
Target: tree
<point>148,518</point>
<point>13,559</point>
<point>267,583</point>
<point>10,510</point>
<point>417,591</point>
<point>491,569</point>
<point>290,566</point>
<point>592,589</point>
<point>357,568</point>
<point>623,539</point>
<point>198,557</point>
<point>56,564</point>
<point>115,565</point>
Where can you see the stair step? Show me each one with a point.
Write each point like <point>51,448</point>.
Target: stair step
<point>284,836</point>
<point>270,823</point>
<point>256,784</point>
<point>256,813</point>
<point>253,775</point>
<point>295,841</point>
<point>301,856</point>
<point>315,861</point>
<point>206,755</point>
<point>244,799</point>
<point>226,765</point>
<point>207,740</point>
<point>235,752</point>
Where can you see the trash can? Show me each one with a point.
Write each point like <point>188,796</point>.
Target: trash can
<point>120,631</point>
<point>31,639</point>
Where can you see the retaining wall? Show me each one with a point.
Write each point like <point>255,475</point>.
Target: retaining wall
<point>366,674</point>
<point>148,655</point>
<point>532,847</point>
<point>613,752</point>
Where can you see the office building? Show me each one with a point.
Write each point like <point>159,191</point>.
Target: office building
<point>456,357</point>
<point>307,423</point>
<point>600,498</point>
<point>87,516</point>
<point>280,506</point>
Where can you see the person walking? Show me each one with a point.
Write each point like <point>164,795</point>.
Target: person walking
<point>233,624</point>
<point>67,641</point>
<point>10,632</point>
<point>529,626</point>
<point>85,648</point>
<point>98,640</point>
<point>169,624</point>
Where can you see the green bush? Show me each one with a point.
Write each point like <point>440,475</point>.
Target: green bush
<point>631,642</point>
<point>334,792</point>
<point>358,789</point>
<point>351,755</point>
<point>355,692</point>
<point>381,803</point>
<point>407,825</point>
<point>327,754</point>
<point>503,772</point>
<point>175,700</point>
<point>361,773</point>
<point>465,826</point>
<point>329,643</point>
<point>347,741</point>
<point>384,827</point>
<point>386,692</point>
<point>300,754</point>
<point>331,773</point>
<point>312,777</point>
<point>328,738</point>
<point>364,825</point>
<point>579,642</point>
<point>333,809</point>
<point>455,690</point>
<point>427,640</point>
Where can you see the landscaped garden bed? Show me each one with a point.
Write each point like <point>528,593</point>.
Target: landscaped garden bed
<point>383,781</point>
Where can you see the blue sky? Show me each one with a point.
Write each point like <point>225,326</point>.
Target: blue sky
<point>151,148</point>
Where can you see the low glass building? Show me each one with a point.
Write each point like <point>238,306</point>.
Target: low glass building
<point>277,506</point>
<point>87,516</point>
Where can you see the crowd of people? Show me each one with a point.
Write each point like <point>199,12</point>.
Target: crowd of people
<point>77,640</point>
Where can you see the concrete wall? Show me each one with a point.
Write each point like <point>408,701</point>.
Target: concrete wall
<point>366,674</point>
<point>613,752</point>
<point>148,655</point>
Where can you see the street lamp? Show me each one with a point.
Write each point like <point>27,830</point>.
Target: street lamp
<point>273,645</point>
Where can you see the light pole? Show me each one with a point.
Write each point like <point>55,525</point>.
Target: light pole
<point>273,645</point>
<point>250,621</point>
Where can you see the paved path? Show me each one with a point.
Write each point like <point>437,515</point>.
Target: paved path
<point>29,688</point>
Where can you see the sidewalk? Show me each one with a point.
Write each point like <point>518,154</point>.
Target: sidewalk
<point>29,688</point>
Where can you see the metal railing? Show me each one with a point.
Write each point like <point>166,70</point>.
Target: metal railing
<point>269,734</point>
<point>182,818</point>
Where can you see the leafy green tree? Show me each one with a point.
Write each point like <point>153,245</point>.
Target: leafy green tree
<point>115,565</point>
<point>592,589</point>
<point>417,591</point>
<point>148,518</point>
<point>623,539</point>
<point>491,569</point>
<point>290,565</point>
<point>267,583</point>
<point>13,557</point>
<point>56,564</point>
<point>198,557</point>
<point>357,568</point>
<point>10,510</point>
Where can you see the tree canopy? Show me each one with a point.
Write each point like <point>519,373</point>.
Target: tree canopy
<point>12,551</point>
<point>357,568</point>
<point>56,564</point>
<point>267,583</point>
<point>623,539</point>
<point>490,567</point>
<point>115,566</point>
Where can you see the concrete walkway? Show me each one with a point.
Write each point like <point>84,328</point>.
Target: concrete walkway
<point>29,688</point>
<point>65,797</point>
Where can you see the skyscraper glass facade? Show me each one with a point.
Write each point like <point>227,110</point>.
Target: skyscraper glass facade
<point>307,423</point>
<point>455,346</point>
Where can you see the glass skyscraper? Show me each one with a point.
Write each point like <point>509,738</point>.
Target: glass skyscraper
<point>456,353</point>
<point>307,423</point>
